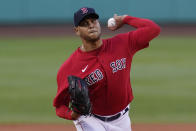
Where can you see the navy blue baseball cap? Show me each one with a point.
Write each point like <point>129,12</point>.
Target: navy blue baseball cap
<point>83,13</point>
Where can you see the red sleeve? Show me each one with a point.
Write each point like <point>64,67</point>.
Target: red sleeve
<point>145,31</point>
<point>61,101</point>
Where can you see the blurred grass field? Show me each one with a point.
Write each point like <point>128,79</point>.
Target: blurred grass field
<point>163,79</point>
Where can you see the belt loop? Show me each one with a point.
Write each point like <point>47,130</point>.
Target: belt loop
<point>125,110</point>
<point>106,119</point>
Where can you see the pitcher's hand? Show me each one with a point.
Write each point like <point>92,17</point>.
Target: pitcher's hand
<point>119,22</point>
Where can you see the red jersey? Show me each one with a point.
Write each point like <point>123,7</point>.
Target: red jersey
<point>106,70</point>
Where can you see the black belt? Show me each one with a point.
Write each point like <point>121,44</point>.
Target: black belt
<point>112,117</point>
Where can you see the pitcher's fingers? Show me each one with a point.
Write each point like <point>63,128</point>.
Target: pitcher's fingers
<point>115,15</point>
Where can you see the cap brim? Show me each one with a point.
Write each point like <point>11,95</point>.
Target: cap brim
<point>92,15</point>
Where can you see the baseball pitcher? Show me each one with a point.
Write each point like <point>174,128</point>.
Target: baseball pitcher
<point>94,88</point>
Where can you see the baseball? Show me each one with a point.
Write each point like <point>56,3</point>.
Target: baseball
<point>111,22</point>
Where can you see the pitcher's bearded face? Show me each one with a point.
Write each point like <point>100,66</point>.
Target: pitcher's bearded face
<point>89,29</point>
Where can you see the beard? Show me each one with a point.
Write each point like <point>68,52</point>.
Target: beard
<point>91,39</point>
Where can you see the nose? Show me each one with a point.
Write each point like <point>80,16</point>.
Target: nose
<point>91,24</point>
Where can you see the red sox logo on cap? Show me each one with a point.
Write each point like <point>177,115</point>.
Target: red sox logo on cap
<point>84,10</point>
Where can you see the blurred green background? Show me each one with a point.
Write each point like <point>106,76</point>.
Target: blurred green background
<point>163,79</point>
<point>36,38</point>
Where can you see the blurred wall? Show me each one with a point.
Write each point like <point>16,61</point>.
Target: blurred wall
<point>61,11</point>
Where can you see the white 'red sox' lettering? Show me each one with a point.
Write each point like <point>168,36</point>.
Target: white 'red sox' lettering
<point>94,77</point>
<point>118,65</point>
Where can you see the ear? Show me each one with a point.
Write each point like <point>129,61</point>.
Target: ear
<point>76,30</point>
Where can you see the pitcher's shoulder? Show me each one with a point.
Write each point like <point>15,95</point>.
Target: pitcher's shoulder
<point>68,62</point>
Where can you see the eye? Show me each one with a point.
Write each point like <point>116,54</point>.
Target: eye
<point>93,20</point>
<point>83,23</point>
<point>86,22</point>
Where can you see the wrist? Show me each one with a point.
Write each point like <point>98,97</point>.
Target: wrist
<point>75,115</point>
<point>127,18</point>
